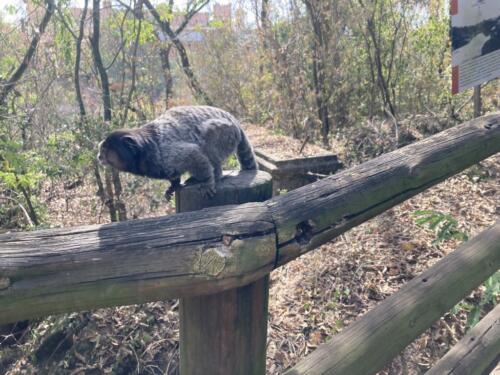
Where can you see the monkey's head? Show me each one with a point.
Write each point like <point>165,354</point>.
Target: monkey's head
<point>121,150</point>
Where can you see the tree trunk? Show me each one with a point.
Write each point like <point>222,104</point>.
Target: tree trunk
<point>318,72</point>
<point>96,53</point>
<point>78,57</point>
<point>133,69</point>
<point>110,196</point>
<point>167,73</point>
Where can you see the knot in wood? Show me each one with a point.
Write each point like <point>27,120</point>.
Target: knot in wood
<point>304,232</point>
<point>491,124</point>
<point>210,262</point>
<point>226,239</point>
<point>4,282</point>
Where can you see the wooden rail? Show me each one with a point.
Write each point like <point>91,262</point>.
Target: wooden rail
<point>403,316</point>
<point>314,214</point>
<point>61,270</point>
<point>476,353</point>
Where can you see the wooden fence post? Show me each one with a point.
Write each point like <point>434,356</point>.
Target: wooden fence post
<point>226,333</point>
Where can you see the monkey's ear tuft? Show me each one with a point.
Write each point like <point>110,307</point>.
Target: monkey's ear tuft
<point>131,143</point>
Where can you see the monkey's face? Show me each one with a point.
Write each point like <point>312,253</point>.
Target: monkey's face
<point>119,150</point>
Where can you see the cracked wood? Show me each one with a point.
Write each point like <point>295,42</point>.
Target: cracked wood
<point>61,270</point>
<point>316,213</point>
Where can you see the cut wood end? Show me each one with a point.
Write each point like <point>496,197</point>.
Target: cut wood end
<point>211,262</point>
<point>4,283</point>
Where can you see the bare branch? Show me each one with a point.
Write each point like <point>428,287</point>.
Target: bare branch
<point>186,65</point>
<point>14,79</point>
<point>25,213</point>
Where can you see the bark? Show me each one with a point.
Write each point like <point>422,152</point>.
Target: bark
<point>109,195</point>
<point>119,204</point>
<point>167,73</point>
<point>133,68</point>
<point>318,70</point>
<point>96,53</point>
<point>78,57</point>
<point>112,189</point>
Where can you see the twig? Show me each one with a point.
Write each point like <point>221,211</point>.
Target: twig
<point>304,144</point>
<point>26,215</point>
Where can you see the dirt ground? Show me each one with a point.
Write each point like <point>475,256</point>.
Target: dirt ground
<point>311,298</point>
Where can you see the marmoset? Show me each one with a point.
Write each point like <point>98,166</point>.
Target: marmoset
<point>194,139</point>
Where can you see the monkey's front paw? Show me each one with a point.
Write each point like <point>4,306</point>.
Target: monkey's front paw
<point>207,190</point>
<point>169,193</point>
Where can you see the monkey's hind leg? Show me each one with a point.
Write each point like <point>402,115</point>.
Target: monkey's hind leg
<point>201,170</point>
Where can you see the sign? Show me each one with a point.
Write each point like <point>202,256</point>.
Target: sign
<point>475,39</point>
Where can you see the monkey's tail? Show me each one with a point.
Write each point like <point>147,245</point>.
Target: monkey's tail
<point>245,154</point>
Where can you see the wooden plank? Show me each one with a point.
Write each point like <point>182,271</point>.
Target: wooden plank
<point>371,342</point>
<point>314,214</point>
<point>266,165</point>
<point>293,173</point>
<point>475,352</point>
<point>265,156</point>
<point>61,270</point>
<point>226,333</point>
<point>316,164</point>
<point>325,164</point>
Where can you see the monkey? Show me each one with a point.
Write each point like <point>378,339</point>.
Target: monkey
<point>194,139</point>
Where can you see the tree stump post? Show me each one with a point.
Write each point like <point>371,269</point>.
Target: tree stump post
<point>226,333</point>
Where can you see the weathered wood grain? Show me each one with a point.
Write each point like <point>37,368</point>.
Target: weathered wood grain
<point>372,341</point>
<point>477,351</point>
<point>226,332</point>
<point>235,187</point>
<point>291,174</point>
<point>60,270</point>
<point>314,214</point>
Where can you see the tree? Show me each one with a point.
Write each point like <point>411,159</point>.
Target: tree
<point>8,86</point>
<point>193,7</point>
<point>111,194</point>
<point>317,12</point>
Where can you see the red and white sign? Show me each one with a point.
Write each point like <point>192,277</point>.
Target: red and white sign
<point>475,36</point>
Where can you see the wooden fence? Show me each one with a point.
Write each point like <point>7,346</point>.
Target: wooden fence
<point>225,248</point>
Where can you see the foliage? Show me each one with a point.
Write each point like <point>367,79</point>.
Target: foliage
<point>444,225</point>
<point>263,71</point>
<point>20,177</point>
<point>490,297</point>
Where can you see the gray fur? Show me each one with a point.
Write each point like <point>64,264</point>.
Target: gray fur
<point>194,139</point>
